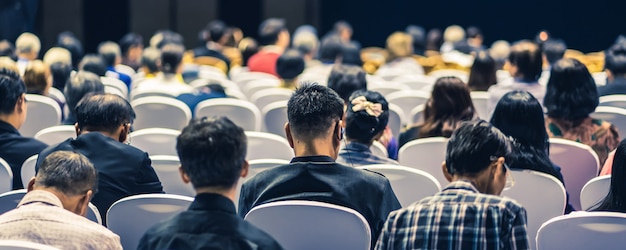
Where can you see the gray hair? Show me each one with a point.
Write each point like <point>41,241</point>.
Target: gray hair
<point>68,172</point>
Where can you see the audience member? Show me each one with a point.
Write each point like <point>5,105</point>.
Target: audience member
<point>468,213</point>
<point>131,46</point>
<point>475,39</point>
<point>434,40</point>
<point>399,57</point>
<point>615,69</point>
<point>216,37</point>
<point>37,78</point>
<point>202,93</point>
<point>212,153</point>
<point>78,86</point>
<point>248,47</point>
<point>418,35</point>
<point>7,49</point>
<point>27,49</point>
<point>93,63</point>
<point>525,67</point>
<point>449,105</point>
<point>571,97</point>
<point>14,148</point>
<point>112,55</point>
<point>68,40</point>
<point>53,211</point>
<point>57,55</point>
<point>500,51</point>
<point>8,64</point>
<point>482,73</point>
<point>314,131</point>
<point>520,116</point>
<point>102,127</point>
<point>274,37</point>
<point>451,35</point>
<point>165,37</point>
<point>288,66</point>
<point>553,50</point>
<point>330,52</point>
<point>615,200</point>
<point>307,43</point>
<point>150,62</point>
<point>345,79</point>
<point>59,60</point>
<point>170,81</point>
<point>351,55</point>
<point>366,119</point>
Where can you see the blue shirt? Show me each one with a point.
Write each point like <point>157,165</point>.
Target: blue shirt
<point>358,154</point>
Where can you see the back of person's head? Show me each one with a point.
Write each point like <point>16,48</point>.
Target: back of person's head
<point>79,85</point>
<point>449,104</point>
<point>171,58</point>
<point>306,42</point>
<point>351,55</point>
<point>11,90</point>
<point>418,35</point>
<point>345,79</point>
<point>110,52</point>
<point>343,29</point>
<point>129,41</point>
<point>554,50</point>
<point>473,32</point>
<point>60,74</point>
<point>526,57</point>
<point>571,92</point>
<point>473,147</point>
<point>37,78</point>
<point>434,40</point>
<point>67,172</point>
<point>248,47</point>
<point>151,59</point>
<point>68,41</point>
<point>216,30</point>
<point>290,64</point>
<point>270,30</point>
<point>103,112</point>
<point>312,110</point>
<point>453,33</point>
<point>57,55</point>
<point>7,49</point>
<point>330,48</point>
<point>212,152</point>
<point>615,200</point>
<point>9,64</point>
<point>27,43</point>
<point>519,114</point>
<point>367,116</point>
<point>164,37</point>
<point>399,44</point>
<point>500,50</point>
<point>93,63</point>
<point>483,72</point>
<point>615,60</point>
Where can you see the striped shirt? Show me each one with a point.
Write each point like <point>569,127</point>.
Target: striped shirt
<point>458,217</point>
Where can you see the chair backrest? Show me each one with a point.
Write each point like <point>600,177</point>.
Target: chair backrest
<point>24,245</point>
<point>57,94</point>
<point>417,114</point>
<point>592,230</point>
<point>396,119</point>
<point>409,184</point>
<point>93,214</point>
<point>416,82</point>
<point>614,115</point>
<point>312,225</point>
<point>463,75</point>
<point>160,112</point>
<point>125,70</point>
<point>132,216</point>
<point>389,88</point>
<point>227,84</point>
<point>244,77</point>
<point>147,92</point>
<point>43,112</point>
<point>243,113</point>
<point>594,191</point>
<point>542,195</point>
<point>265,145</point>
<point>28,169</point>
<point>425,154</point>
<point>618,101</point>
<point>6,176</point>
<point>408,100</point>
<point>255,86</point>
<point>155,141</point>
<point>212,61</point>
<point>56,134</point>
<point>113,90</point>
<point>599,78</point>
<point>117,84</point>
<point>579,164</point>
<point>275,117</point>
<point>266,96</point>
<point>260,165</point>
<point>166,168</point>
<point>378,149</point>
<point>480,100</point>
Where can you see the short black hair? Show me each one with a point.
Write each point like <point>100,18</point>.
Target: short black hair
<point>554,50</point>
<point>330,48</point>
<point>81,84</point>
<point>60,74</point>
<point>93,63</point>
<point>571,92</point>
<point>212,152</point>
<point>130,40</point>
<point>351,55</point>
<point>171,57</point>
<point>270,29</point>
<point>165,37</point>
<point>11,89</point>
<point>70,173</point>
<point>216,30</point>
<point>472,146</point>
<point>362,126</point>
<point>615,59</point>
<point>7,49</point>
<point>103,112</point>
<point>151,58</point>
<point>68,40</point>
<point>419,38</point>
<point>109,51</point>
<point>290,64</point>
<point>526,56</point>
<point>345,79</point>
<point>312,110</point>
<point>473,32</point>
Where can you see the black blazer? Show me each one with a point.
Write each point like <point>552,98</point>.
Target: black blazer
<point>15,149</point>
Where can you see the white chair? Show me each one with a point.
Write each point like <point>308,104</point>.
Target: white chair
<point>56,134</point>
<point>6,176</point>
<point>618,101</point>
<point>480,100</point>
<point>396,119</point>
<point>243,78</point>
<point>255,86</point>
<point>237,94</point>
<point>57,95</point>
<point>227,84</point>
<point>594,191</point>
<point>425,154</point>
<point>260,165</point>
<point>584,230</point>
<point>141,93</point>
<point>579,164</point>
<point>271,95</point>
<point>42,112</point>
<point>160,112</point>
<point>166,168</point>
<point>132,216</point>
<point>28,169</point>
<point>115,91</point>
<point>417,114</point>
<point>24,245</point>
<point>243,113</point>
<point>155,141</point>
<point>416,82</point>
<point>464,76</point>
<point>599,78</point>
<point>275,117</point>
<point>389,88</point>
<point>115,83</point>
<point>124,69</point>
<point>408,100</point>
<point>265,145</point>
<point>613,115</point>
<point>542,195</point>
<point>378,149</point>
<point>312,225</point>
<point>409,184</point>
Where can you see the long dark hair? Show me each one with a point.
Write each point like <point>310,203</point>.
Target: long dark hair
<point>449,104</point>
<point>483,72</point>
<point>571,94</point>
<point>615,201</point>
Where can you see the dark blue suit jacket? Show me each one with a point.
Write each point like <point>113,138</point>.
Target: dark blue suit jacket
<point>15,149</point>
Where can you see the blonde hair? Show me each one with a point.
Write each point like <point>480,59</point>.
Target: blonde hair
<point>36,77</point>
<point>8,63</point>
<point>399,44</point>
<point>57,55</point>
<point>27,43</point>
<point>454,33</point>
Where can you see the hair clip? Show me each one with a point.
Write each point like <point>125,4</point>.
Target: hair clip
<point>361,103</point>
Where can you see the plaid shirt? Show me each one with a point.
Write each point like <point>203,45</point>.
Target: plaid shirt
<point>459,217</point>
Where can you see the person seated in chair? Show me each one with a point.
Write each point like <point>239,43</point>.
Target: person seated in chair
<point>112,55</point>
<point>216,35</point>
<point>615,68</point>
<point>274,37</point>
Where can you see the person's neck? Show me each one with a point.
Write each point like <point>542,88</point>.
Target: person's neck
<point>11,119</point>
<point>478,181</point>
<point>214,46</point>
<point>70,203</point>
<point>107,134</point>
<point>317,146</point>
<point>226,192</point>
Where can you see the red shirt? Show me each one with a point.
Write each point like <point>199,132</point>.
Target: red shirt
<point>264,61</point>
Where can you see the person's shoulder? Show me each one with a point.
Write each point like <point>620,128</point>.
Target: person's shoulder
<point>257,236</point>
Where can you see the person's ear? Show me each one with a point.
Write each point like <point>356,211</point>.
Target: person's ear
<point>339,131</point>
<point>83,203</point>
<point>446,174</point>
<point>124,131</point>
<point>244,169</point>
<point>78,131</point>
<point>609,75</point>
<point>184,175</point>
<point>31,184</point>
<point>289,135</point>
<point>20,104</point>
